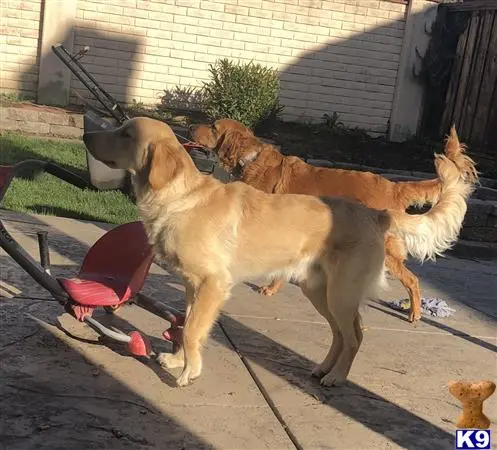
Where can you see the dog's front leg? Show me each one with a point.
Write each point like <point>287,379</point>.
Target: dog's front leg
<point>207,302</point>
<point>175,360</point>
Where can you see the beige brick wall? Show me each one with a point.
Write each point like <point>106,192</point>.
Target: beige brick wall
<point>19,38</point>
<point>334,56</point>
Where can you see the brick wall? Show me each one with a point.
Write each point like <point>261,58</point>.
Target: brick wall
<point>339,55</point>
<point>334,56</point>
<point>19,38</point>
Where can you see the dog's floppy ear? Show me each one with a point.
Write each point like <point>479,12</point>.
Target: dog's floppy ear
<point>164,166</point>
<point>225,141</point>
<point>237,146</point>
<point>226,147</point>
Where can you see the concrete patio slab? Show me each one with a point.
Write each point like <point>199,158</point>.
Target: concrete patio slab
<point>397,395</point>
<point>63,388</point>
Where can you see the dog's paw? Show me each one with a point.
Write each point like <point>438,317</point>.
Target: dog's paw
<point>184,379</point>
<point>332,378</point>
<point>414,318</point>
<point>267,291</point>
<point>187,377</point>
<point>190,372</point>
<point>318,371</point>
<point>170,361</point>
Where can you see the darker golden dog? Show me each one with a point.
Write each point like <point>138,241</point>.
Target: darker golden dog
<point>264,168</point>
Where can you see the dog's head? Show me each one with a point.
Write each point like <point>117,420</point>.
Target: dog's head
<point>234,143</point>
<point>143,146</point>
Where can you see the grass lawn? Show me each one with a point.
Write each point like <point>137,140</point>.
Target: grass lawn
<point>41,193</point>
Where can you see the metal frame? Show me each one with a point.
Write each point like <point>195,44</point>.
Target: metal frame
<point>111,105</point>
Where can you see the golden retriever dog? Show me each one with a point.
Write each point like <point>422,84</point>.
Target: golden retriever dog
<point>215,235</point>
<point>263,167</point>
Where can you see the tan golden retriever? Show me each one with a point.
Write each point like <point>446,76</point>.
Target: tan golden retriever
<point>263,167</point>
<point>215,235</point>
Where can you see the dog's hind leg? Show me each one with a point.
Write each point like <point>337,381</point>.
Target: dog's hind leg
<point>348,285</point>
<point>317,295</point>
<point>207,302</point>
<point>334,352</point>
<point>396,267</point>
<point>351,333</point>
<point>274,287</point>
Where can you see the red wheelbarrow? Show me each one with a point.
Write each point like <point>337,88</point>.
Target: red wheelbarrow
<point>111,274</point>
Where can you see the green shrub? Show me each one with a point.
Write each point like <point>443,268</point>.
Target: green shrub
<point>244,92</point>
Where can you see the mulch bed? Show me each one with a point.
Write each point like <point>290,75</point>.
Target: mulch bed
<point>302,141</point>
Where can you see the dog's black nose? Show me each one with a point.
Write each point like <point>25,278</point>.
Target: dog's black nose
<point>86,138</point>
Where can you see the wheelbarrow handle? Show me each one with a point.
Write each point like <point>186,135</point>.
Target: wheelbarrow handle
<point>66,175</point>
<point>8,173</point>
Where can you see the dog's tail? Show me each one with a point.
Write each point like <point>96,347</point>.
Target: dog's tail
<point>411,193</point>
<point>417,193</point>
<point>430,234</point>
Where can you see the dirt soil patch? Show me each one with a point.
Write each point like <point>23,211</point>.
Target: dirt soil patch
<point>320,143</point>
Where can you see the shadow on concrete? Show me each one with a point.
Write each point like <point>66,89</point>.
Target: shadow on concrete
<point>352,400</point>
<point>83,406</point>
<point>452,282</point>
<point>42,411</point>
<point>440,326</point>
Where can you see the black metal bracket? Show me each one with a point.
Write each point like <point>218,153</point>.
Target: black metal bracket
<point>110,104</point>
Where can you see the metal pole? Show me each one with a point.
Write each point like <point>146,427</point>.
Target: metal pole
<point>44,251</point>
